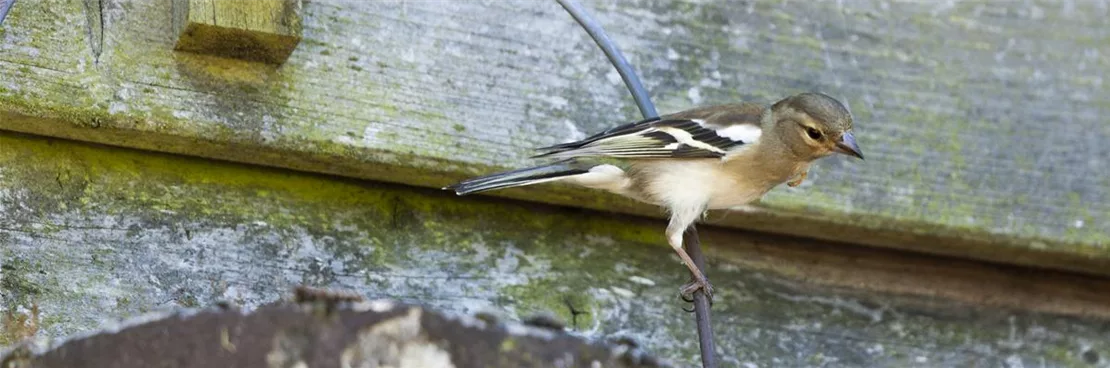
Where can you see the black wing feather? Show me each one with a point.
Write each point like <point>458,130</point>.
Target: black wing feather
<point>647,139</point>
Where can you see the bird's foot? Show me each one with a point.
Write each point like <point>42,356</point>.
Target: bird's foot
<point>699,283</point>
<point>798,180</point>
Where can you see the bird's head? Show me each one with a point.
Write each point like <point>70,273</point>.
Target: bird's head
<point>814,125</point>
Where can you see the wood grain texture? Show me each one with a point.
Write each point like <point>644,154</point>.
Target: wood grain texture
<point>90,234</point>
<point>982,120</point>
<point>262,30</point>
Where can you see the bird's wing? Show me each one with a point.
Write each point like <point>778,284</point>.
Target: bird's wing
<point>707,132</point>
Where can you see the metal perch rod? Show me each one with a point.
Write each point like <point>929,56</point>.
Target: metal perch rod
<point>5,6</point>
<point>647,109</point>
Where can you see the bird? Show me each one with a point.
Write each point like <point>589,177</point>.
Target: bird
<point>710,157</point>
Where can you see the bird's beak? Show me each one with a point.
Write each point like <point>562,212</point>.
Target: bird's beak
<point>847,146</point>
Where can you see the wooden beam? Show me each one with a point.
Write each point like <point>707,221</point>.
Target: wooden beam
<point>258,30</point>
<point>88,226</point>
<point>1001,168</point>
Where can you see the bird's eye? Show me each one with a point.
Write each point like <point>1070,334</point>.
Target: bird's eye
<point>813,133</point>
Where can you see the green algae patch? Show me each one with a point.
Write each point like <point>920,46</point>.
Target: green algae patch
<point>23,284</point>
<point>185,193</point>
<point>17,284</point>
<point>335,108</point>
<point>399,242</point>
<point>138,231</point>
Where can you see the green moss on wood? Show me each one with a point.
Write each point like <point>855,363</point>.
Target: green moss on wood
<point>138,93</point>
<point>246,226</point>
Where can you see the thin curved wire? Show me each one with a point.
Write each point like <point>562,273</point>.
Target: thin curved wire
<point>647,109</point>
<point>5,6</point>
<point>643,101</point>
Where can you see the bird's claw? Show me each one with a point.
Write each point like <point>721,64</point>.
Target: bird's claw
<point>688,299</point>
<point>688,290</point>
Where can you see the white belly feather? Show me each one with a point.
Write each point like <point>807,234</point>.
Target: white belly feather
<point>699,183</point>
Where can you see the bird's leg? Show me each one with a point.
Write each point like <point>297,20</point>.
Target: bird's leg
<point>680,220</point>
<point>699,280</point>
<point>798,179</point>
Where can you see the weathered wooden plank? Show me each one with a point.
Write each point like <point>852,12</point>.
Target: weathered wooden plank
<point>262,30</point>
<point>90,233</point>
<point>981,119</point>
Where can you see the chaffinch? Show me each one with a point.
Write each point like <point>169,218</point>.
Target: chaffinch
<point>713,157</point>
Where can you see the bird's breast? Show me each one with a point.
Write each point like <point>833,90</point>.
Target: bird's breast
<point>737,194</point>
<point>748,179</point>
<point>688,183</point>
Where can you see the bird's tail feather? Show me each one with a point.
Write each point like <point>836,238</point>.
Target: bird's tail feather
<point>516,178</point>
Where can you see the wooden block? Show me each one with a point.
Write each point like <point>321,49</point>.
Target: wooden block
<point>258,30</point>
